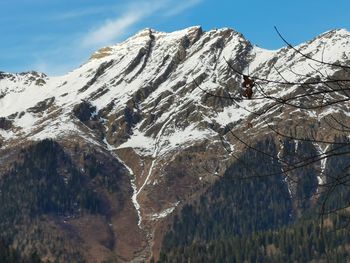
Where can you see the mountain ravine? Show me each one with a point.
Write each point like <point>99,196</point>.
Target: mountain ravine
<point>104,163</point>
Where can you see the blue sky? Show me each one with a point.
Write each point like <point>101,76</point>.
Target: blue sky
<point>56,36</point>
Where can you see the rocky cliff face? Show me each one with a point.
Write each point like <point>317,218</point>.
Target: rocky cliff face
<point>157,112</point>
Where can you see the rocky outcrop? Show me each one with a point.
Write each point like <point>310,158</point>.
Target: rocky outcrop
<point>5,123</point>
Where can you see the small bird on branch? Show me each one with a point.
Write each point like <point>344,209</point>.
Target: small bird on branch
<point>248,85</point>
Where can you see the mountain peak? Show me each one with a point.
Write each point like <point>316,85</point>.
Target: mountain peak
<point>145,35</point>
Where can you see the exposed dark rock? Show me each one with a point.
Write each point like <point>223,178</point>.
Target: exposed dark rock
<point>136,61</point>
<point>218,99</point>
<point>42,105</point>
<point>106,110</point>
<point>2,75</point>
<point>84,111</point>
<point>21,114</point>
<point>5,123</point>
<point>144,52</point>
<point>98,93</point>
<point>131,116</point>
<point>12,116</point>
<point>99,72</point>
<point>87,114</point>
<point>40,82</point>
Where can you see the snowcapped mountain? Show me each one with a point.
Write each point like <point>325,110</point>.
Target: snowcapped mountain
<point>153,75</point>
<point>160,104</point>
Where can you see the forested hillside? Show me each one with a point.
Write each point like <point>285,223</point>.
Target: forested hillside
<point>249,215</point>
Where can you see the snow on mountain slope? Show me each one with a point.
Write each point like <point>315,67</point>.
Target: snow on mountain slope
<point>143,92</point>
<point>156,71</point>
<point>161,104</point>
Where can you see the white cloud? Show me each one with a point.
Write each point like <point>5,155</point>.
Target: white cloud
<point>71,51</point>
<point>112,30</point>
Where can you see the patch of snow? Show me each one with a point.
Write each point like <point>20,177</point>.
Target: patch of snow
<point>279,156</point>
<point>323,159</point>
<point>184,137</point>
<point>233,113</point>
<point>7,135</point>
<point>141,143</point>
<point>261,56</point>
<point>164,213</point>
<point>296,142</point>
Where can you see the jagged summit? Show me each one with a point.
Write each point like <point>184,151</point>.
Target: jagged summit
<point>190,34</point>
<point>145,35</point>
<point>335,32</point>
<point>147,73</point>
<point>147,31</point>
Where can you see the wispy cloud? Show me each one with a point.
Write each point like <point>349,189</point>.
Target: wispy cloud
<point>70,51</point>
<point>111,30</point>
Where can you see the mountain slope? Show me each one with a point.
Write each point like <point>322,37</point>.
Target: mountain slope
<point>160,105</point>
